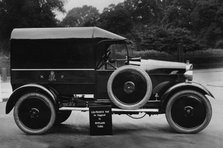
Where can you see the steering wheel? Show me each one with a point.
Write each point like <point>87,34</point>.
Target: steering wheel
<point>106,60</point>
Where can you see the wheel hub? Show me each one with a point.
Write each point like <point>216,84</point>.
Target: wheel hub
<point>188,111</point>
<point>129,87</point>
<point>34,113</point>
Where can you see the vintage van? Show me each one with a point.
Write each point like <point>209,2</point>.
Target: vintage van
<point>55,71</point>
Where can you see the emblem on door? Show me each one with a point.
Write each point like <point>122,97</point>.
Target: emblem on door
<point>52,76</point>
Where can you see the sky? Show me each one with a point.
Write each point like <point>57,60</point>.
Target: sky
<point>99,4</point>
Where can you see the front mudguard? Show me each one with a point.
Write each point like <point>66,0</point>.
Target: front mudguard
<point>17,93</point>
<point>183,86</point>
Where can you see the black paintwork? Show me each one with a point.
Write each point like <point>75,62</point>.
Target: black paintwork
<point>66,82</point>
<point>77,66</point>
<point>56,53</point>
<point>69,66</point>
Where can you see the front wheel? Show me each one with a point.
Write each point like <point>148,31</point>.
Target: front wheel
<point>188,112</point>
<point>34,113</point>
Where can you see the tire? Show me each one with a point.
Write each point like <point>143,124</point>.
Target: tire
<point>129,87</point>
<point>34,113</point>
<point>188,112</point>
<point>62,116</point>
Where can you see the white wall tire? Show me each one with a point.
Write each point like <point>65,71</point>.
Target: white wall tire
<point>188,112</point>
<point>34,113</point>
<point>129,87</point>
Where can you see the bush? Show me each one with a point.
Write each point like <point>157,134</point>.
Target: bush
<point>167,39</point>
<point>219,44</point>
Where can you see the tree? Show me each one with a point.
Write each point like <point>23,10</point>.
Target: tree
<point>178,14</point>
<point>168,39</point>
<point>116,19</point>
<point>207,21</point>
<point>26,13</point>
<point>145,11</point>
<point>81,16</point>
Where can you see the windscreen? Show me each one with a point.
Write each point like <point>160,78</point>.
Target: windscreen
<point>113,56</point>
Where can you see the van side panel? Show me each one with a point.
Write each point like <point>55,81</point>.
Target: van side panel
<point>65,82</point>
<point>66,65</point>
<point>56,53</point>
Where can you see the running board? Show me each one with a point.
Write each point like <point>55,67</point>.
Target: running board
<point>114,110</point>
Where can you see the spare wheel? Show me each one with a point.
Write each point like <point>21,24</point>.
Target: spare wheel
<point>129,87</point>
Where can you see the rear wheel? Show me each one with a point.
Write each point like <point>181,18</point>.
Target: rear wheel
<point>188,112</point>
<point>34,113</point>
<point>62,116</point>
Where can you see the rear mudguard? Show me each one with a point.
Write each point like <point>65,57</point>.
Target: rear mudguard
<point>17,93</point>
<point>184,86</point>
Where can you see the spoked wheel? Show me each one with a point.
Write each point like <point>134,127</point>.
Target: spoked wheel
<point>34,113</point>
<point>129,87</point>
<point>188,112</point>
<point>62,116</point>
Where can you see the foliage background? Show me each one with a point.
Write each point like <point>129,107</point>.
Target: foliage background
<point>158,28</point>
